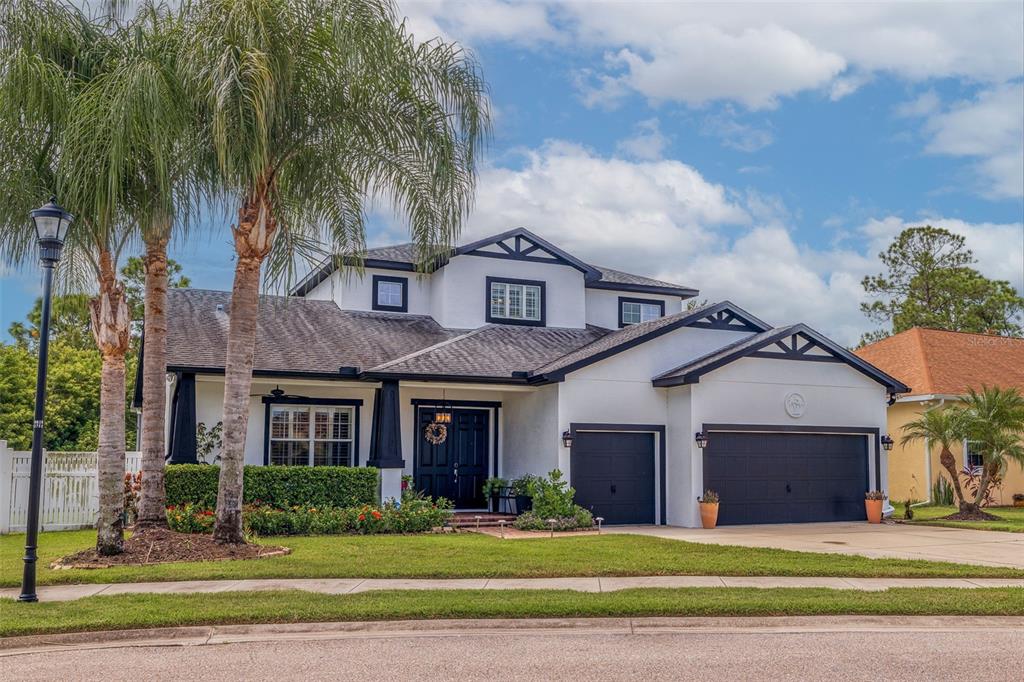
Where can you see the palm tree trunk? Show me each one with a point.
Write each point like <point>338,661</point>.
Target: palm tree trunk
<point>254,236</point>
<point>152,498</point>
<point>987,471</point>
<point>111,329</point>
<point>948,462</point>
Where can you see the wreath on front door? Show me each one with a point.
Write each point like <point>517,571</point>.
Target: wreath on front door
<point>435,433</point>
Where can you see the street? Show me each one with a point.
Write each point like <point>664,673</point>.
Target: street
<point>848,648</point>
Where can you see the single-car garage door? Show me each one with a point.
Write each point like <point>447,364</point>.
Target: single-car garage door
<point>613,474</point>
<point>787,477</point>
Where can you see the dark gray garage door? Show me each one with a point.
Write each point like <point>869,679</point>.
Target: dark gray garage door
<point>787,477</point>
<point>613,474</point>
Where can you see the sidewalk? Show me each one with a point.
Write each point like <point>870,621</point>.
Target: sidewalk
<point>610,584</point>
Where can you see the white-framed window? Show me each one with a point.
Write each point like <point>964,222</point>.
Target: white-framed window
<point>972,454</point>
<point>517,301</point>
<point>635,311</point>
<point>390,293</point>
<point>311,435</point>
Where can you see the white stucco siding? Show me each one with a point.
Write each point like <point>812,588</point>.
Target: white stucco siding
<point>531,439</point>
<point>603,305</point>
<point>461,296</point>
<point>352,291</point>
<point>210,407</point>
<point>679,464</point>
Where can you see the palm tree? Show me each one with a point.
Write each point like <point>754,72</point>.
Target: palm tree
<point>310,107</point>
<point>49,53</point>
<point>995,424</point>
<point>137,130</point>
<point>944,426</point>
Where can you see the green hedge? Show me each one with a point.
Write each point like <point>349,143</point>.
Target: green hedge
<point>275,486</point>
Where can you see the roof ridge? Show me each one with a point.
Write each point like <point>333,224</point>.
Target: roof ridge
<point>421,351</point>
<point>925,363</point>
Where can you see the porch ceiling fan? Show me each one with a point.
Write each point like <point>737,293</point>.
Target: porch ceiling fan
<point>275,393</point>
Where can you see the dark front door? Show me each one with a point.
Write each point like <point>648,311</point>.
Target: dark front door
<point>787,477</point>
<point>613,474</point>
<point>457,468</point>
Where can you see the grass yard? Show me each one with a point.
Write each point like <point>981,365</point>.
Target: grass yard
<point>1013,518</point>
<point>470,555</point>
<point>161,610</point>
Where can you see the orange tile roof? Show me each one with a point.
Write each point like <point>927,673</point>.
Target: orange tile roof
<point>935,361</point>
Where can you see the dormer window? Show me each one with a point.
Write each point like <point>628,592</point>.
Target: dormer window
<point>515,301</point>
<point>391,293</point>
<point>637,310</point>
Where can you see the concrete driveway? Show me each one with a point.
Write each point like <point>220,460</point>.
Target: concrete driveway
<point>894,540</point>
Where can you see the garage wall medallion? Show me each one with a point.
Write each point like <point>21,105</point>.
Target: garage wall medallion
<point>795,405</point>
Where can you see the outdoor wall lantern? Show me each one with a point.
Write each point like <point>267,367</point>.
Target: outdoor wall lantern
<point>887,442</point>
<point>51,224</point>
<point>702,439</point>
<point>566,439</point>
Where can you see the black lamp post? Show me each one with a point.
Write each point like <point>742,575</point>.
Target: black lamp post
<point>51,223</point>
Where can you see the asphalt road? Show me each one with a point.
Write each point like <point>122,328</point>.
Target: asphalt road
<point>738,649</point>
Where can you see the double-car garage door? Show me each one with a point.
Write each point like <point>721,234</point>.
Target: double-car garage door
<point>787,477</point>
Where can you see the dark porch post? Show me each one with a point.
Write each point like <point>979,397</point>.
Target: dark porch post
<point>183,421</point>
<point>386,444</point>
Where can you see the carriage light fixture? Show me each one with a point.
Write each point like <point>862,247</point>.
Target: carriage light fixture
<point>887,442</point>
<point>702,439</point>
<point>566,439</point>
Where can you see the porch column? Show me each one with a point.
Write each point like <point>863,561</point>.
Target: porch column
<point>386,443</point>
<point>182,445</point>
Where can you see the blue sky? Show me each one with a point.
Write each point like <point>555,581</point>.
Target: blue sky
<point>762,153</point>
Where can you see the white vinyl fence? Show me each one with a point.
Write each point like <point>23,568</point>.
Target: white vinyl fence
<point>70,489</point>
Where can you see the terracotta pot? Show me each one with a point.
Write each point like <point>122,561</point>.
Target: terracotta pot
<point>874,509</point>
<point>1018,503</point>
<point>709,514</point>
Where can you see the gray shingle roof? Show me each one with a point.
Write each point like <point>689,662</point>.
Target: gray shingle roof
<point>405,254</point>
<point>293,334</point>
<point>494,351</point>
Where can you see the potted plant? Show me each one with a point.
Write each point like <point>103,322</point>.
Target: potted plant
<point>492,491</point>
<point>522,488</point>
<point>1018,499</point>
<point>709,509</point>
<point>873,500</point>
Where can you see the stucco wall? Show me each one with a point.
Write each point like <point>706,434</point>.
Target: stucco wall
<point>530,433</point>
<point>352,291</point>
<point>603,305</point>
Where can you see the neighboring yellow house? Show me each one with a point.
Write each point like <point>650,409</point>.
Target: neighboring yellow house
<point>939,366</point>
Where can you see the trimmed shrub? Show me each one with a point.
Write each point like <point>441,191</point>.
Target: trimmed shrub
<point>281,487</point>
<point>580,518</point>
<point>553,499</point>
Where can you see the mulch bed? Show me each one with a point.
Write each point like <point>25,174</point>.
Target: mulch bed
<point>972,516</point>
<point>162,546</point>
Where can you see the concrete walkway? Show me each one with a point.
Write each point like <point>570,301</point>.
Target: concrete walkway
<point>356,585</point>
<point>889,540</point>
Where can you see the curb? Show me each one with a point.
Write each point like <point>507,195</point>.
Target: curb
<point>208,635</point>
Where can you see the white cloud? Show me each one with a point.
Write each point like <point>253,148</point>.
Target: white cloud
<point>735,134</point>
<point>469,21</point>
<point>989,128</point>
<point>665,219</point>
<point>925,104</point>
<point>647,143</point>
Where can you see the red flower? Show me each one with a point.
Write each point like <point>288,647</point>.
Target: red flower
<point>362,517</point>
<point>376,514</point>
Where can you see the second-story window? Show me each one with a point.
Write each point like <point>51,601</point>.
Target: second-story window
<point>515,301</point>
<point>390,293</point>
<point>637,310</point>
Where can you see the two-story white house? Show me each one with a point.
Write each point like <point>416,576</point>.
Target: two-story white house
<point>531,359</point>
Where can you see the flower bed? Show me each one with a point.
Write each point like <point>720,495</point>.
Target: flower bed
<point>414,515</point>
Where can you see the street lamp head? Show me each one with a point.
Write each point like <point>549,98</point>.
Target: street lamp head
<point>51,222</point>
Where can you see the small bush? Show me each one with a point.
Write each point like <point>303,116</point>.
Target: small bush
<point>190,518</point>
<point>942,492</point>
<point>280,487</point>
<point>580,518</point>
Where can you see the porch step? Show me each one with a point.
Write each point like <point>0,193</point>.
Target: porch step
<point>485,520</point>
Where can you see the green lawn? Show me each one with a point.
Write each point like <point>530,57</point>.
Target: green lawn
<point>1012,518</point>
<point>471,555</point>
<point>159,610</point>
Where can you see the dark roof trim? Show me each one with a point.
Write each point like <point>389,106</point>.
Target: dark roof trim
<point>560,257</point>
<point>682,292</point>
<point>670,378</point>
<point>732,318</point>
<point>324,270</point>
<point>684,321</point>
